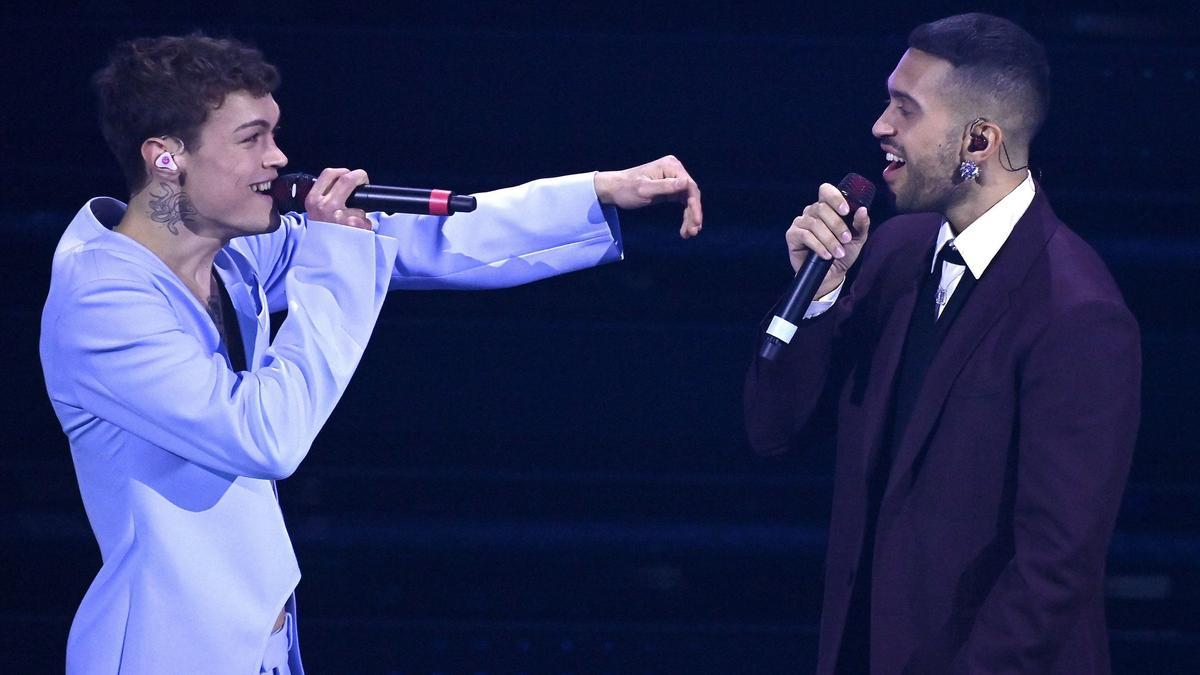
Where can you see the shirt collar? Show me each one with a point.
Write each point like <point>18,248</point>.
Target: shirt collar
<point>981,240</point>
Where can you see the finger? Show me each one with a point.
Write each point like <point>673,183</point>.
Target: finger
<point>862,223</point>
<point>818,216</point>
<point>812,243</point>
<point>326,180</point>
<point>829,194</point>
<point>800,236</point>
<point>694,205</point>
<point>668,178</point>
<point>834,223</point>
<point>340,191</point>
<point>693,213</point>
<point>667,166</point>
<point>356,218</point>
<point>316,201</point>
<point>673,188</point>
<point>690,227</point>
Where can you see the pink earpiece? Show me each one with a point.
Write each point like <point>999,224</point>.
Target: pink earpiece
<point>166,161</point>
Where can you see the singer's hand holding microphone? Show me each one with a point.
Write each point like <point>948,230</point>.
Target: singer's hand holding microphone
<point>823,244</point>
<point>343,196</point>
<point>821,228</point>
<point>326,199</point>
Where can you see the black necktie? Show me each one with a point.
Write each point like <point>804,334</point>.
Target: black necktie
<point>925,335</point>
<point>948,254</point>
<point>949,305</point>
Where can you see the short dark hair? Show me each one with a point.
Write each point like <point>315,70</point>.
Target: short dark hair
<point>996,60</point>
<point>166,86</point>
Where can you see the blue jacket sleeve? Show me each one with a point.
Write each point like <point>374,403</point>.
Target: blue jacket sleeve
<point>516,235</point>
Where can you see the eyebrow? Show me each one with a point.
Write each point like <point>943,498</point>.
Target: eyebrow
<point>900,94</point>
<point>253,123</point>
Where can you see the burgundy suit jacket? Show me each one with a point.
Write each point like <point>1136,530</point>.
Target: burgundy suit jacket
<point>994,525</point>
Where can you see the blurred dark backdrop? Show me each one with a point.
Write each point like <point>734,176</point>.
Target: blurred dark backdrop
<point>554,478</point>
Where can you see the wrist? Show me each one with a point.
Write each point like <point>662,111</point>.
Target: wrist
<point>605,184</point>
<point>830,284</point>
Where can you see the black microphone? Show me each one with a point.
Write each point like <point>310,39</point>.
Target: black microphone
<point>289,192</point>
<point>858,191</point>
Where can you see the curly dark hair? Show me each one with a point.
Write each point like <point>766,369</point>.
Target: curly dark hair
<point>994,60</point>
<point>166,86</point>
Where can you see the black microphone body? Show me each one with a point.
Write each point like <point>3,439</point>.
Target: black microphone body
<point>858,191</point>
<point>289,192</point>
<point>408,200</point>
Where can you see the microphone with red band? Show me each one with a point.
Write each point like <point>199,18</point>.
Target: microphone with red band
<point>858,191</point>
<point>289,192</point>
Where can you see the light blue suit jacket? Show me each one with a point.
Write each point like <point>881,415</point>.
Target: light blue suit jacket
<point>176,454</point>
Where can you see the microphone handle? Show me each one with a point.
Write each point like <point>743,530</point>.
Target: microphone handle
<point>803,290</point>
<point>409,200</point>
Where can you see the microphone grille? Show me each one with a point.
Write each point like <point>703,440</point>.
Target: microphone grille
<point>290,190</point>
<point>858,190</point>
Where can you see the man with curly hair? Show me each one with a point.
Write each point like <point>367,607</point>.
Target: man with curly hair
<point>180,409</point>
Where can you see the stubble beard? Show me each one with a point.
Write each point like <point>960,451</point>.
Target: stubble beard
<point>931,186</point>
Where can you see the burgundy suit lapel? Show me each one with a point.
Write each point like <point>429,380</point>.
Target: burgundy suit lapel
<point>886,360</point>
<point>987,305</point>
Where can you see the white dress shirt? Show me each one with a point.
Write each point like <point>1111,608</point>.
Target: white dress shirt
<point>979,242</point>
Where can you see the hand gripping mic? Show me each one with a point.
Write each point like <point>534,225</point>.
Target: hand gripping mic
<point>289,192</point>
<point>858,191</point>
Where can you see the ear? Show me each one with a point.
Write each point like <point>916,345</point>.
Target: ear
<point>162,163</point>
<point>982,141</point>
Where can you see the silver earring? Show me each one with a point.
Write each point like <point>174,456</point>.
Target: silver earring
<point>968,170</point>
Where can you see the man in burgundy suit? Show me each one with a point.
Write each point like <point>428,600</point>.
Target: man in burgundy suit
<point>987,376</point>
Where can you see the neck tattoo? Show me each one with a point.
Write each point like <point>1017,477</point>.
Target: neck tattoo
<point>171,207</point>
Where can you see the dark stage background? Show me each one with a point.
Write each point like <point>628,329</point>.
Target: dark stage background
<point>554,478</point>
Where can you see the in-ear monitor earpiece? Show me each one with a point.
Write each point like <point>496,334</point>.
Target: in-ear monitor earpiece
<point>166,160</point>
